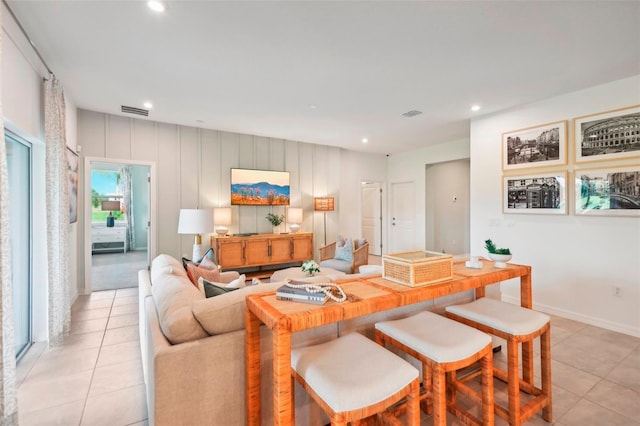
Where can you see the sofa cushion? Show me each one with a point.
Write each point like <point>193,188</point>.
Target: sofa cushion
<point>339,265</point>
<point>174,296</point>
<point>165,264</point>
<point>225,313</point>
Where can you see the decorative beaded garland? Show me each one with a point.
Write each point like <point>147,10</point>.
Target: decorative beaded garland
<point>326,288</point>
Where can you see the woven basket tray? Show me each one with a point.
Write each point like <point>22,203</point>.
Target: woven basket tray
<point>417,268</point>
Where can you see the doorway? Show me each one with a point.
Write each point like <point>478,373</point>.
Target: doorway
<point>371,220</point>
<point>403,212</point>
<point>118,234</point>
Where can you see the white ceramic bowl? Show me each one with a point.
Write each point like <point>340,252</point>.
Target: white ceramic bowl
<point>500,260</point>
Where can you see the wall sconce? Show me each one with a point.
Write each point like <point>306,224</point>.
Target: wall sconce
<point>110,206</point>
<point>195,221</point>
<point>222,220</point>
<point>324,204</point>
<point>294,216</point>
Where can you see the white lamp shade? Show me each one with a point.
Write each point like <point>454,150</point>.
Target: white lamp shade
<point>294,215</point>
<point>195,221</point>
<point>222,216</point>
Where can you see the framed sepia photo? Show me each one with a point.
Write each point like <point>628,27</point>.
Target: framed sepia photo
<point>539,146</point>
<point>607,136</point>
<point>610,191</point>
<point>535,194</point>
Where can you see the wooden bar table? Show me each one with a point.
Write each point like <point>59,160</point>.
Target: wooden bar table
<point>365,296</point>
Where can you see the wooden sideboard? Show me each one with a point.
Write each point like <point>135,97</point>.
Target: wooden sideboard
<point>262,249</point>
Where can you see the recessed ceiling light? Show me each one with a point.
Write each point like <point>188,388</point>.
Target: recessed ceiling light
<point>365,140</point>
<point>475,108</point>
<point>147,105</point>
<point>312,106</point>
<point>156,5</point>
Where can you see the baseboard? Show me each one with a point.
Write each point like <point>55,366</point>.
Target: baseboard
<point>598,322</point>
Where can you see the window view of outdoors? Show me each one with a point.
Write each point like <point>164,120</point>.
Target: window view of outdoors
<point>105,186</point>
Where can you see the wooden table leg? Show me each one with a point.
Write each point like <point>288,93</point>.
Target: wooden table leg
<point>252,368</point>
<point>526,301</point>
<point>283,413</point>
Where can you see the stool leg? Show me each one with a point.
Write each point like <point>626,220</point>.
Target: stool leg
<point>427,386</point>
<point>439,397</point>
<point>545,354</point>
<point>413,404</point>
<point>486,364</point>
<point>513,382</point>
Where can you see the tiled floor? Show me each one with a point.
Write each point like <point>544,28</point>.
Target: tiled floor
<point>96,377</point>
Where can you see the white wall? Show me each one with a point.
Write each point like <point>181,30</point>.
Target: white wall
<point>193,168</point>
<point>576,260</point>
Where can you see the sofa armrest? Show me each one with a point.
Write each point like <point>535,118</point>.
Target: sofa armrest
<point>360,257</point>
<point>228,276</point>
<point>328,251</point>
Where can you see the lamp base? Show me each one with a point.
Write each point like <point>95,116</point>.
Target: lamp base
<point>294,227</point>
<point>221,231</point>
<point>197,253</point>
<point>111,221</point>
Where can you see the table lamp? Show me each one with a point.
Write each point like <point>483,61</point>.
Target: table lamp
<point>110,206</point>
<point>222,220</point>
<point>294,216</point>
<point>324,204</point>
<point>195,221</point>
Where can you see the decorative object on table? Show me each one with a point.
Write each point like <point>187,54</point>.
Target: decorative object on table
<point>195,221</point>
<point>110,206</point>
<point>275,220</point>
<point>324,204</point>
<point>417,268</point>
<point>319,293</point>
<point>310,267</point>
<point>535,194</point>
<point>294,216</point>
<point>609,191</point>
<point>539,146</point>
<point>222,220</point>
<point>599,136</point>
<point>473,263</point>
<point>500,256</point>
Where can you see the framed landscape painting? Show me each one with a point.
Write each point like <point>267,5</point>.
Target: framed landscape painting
<point>607,136</point>
<point>535,194</point>
<point>539,146</point>
<point>609,191</point>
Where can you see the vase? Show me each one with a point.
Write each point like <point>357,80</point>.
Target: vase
<point>500,260</point>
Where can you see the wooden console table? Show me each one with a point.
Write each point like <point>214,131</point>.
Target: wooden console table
<point>366,296</point>
<point>262,249</point>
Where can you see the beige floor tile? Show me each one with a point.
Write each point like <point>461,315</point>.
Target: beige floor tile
<point>627,373</point>
<point>587,413</point>
<point>122,334</point>
<point>567,324</point>
<point>130,403</point>
<point>617,398</point>
<point>562,400</point>
<point>86,304</point>
<point>90,314</point>
<point>79,327</point>
<point>589,354</point>
<point>28,361</point>
<point>127,292</point>
<point>115,377</point>
<point>107,294</point>
<point>60,363</point>
<point>572,379</point>
<point>129,300</point>
<point>124,310</point>
<point>63,415</point>
<point>52,391</point>
<point>122,321</point>
<point>74,342</point>
<point>615,339</point>
<point>142,423</point>
<point>121,352</point>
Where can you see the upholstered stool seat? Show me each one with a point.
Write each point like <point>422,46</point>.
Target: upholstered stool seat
<point>352,378</point>
<point>516,325</point>
<point>443,346</point>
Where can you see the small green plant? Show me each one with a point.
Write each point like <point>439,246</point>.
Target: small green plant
<point>491,248</point>
<point>274,219</point>
<point>310,267</point>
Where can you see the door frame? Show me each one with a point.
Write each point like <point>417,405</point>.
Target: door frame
<point>152,246</point>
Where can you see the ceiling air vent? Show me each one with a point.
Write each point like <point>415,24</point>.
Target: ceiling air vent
<point>133,110</point>
<point>412,113</point>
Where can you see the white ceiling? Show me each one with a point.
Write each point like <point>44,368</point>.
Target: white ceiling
<point>256,67</point>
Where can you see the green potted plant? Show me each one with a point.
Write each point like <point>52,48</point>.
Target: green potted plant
<point>275,220</point>
<point>500,256</point>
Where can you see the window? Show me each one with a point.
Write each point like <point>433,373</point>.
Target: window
<point>106,185</point>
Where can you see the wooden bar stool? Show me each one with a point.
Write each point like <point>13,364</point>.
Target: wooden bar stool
<point>352,378</point>
<point>443,346</point>
<point>516,325</point>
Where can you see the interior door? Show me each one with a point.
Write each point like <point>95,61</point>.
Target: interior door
<point>371,219</point>
<point>403,212</point>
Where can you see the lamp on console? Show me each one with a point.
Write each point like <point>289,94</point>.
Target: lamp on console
<point>195,221</point>
<point>222,220</point>
<point>324,204</point>
<point>294,216</point>
<point>110,206</point>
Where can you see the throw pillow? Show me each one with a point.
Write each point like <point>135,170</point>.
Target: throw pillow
<point>256,281</point>
<point>238,282</point>
<point>340,241</point>
<point>212,290</point>
<point>345,252</point>
<point>207,264</point>
<point>360,242</point>
<point>194,272</point>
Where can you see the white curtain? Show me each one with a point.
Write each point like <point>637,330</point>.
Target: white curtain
<point>127,199</point>
<point>58,228</point>
<point>8,399</point>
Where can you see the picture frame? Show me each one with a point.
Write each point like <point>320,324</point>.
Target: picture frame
<point>610,135</point>
<point>607,191</point>
<point>72,161</point>
<point>544,193</point>
<point>539,146</point>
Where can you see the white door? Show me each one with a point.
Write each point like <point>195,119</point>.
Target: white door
<point>372,216</point>
<point>403,212</point>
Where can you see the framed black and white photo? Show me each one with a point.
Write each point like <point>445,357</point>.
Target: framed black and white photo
<point>609,191</point>
<point>539,146</point>
<point>607,136</point>
<point>535,194</point>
